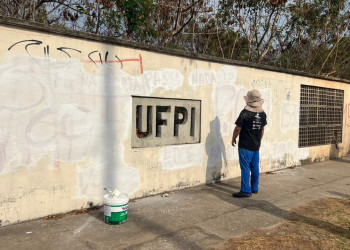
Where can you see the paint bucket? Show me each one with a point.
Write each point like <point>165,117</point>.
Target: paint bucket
<point>115,208</point>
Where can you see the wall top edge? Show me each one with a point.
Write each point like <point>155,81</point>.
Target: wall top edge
<point>164,98</point>
<point>29,25</point>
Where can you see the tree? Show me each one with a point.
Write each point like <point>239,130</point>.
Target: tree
<point>123,19</point>
<point>256,22</point>
<point>306,35</point>
<point>43,11</point>
<point>318,37</point>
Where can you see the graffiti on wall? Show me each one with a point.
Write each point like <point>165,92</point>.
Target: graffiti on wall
<point>185,156</point>
<point>96,57</point>
<point>72,115</point>
<point>229,102</point>
<point>63,111</point>
<point>226,75</point>
<point>226,94</point>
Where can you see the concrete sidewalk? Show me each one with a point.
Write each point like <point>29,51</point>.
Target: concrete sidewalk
<point>195,218</point>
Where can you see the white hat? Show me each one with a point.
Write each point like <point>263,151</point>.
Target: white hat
<point>254,101</point>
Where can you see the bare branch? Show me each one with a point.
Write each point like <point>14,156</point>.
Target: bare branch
<point>185,24</point>
<point>8,8</point>
<point>271,35</point>
<point>217,35</point>
<point>177,18</point>
<point>192,5</point>
<point>335,45</point>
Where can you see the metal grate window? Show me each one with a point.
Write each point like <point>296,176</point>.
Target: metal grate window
<point>321,116</point>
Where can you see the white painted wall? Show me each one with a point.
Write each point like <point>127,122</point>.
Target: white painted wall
<point>65,122</point>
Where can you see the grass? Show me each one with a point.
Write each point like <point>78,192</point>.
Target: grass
<point>321,224</point>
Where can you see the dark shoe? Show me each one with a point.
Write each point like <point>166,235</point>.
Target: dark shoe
<point>255,192</point>
<point>241,195</point>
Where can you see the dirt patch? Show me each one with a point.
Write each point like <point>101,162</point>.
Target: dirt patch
<point>75,212</point>
<point>321,224</point>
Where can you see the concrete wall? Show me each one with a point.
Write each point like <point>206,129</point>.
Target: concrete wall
<point>66,115</point>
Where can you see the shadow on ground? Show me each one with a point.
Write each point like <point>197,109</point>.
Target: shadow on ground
<point>272,209</point>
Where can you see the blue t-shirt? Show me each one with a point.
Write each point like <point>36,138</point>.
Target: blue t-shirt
<point>251,124</point>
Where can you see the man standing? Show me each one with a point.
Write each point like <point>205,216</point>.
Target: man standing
<point>250,128</point>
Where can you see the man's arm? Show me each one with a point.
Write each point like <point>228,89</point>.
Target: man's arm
<point>236,132</point>
<point>262,133</point>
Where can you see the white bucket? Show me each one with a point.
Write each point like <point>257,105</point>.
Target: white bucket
<point>115,208</point>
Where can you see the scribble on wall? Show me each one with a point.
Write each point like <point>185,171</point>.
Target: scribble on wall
<point>61,113</point>
<point>175,157</point>
<point>66,120</point>
<point>12,83</point>
<point>226,94</point>
<point>68,51</point>
<point>226,75</point>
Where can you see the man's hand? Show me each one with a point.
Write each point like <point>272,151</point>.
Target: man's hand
<point>236,132</point>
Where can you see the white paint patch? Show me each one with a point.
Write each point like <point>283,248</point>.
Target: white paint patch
<point>69,124</point>
<point>267,106</point>
<point>200,77</point>
<point>53,107</point>
<point>169,79</point>
<point>82,227</point>
<point>289,115</point>
<point>17,79</point>
<point>226,100</point>
<point>227,128</point>
<point>147,83</point>
<point>224,76</point>
<point>229,98</point>
<point>115,82</point>
<point>279,150</point>
<point>232,152</point>
<point>181,156</point>
<point>274,151</point>
<point>111,170</point>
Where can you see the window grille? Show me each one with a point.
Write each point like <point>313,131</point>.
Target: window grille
<point>321,116</point>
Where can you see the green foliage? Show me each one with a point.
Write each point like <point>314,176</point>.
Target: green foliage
<point>125,19</point>
<point>130,17</point>
<point>305,35</point>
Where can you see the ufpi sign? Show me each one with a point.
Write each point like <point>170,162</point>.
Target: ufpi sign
<point>164,121</point>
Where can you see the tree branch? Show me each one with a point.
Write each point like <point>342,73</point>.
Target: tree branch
<point>335,45</point>
<point>185,24</point>
<point>177,17</point>
<point>271,36</point>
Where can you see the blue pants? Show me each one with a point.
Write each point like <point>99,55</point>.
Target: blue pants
<point>249,161</point>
